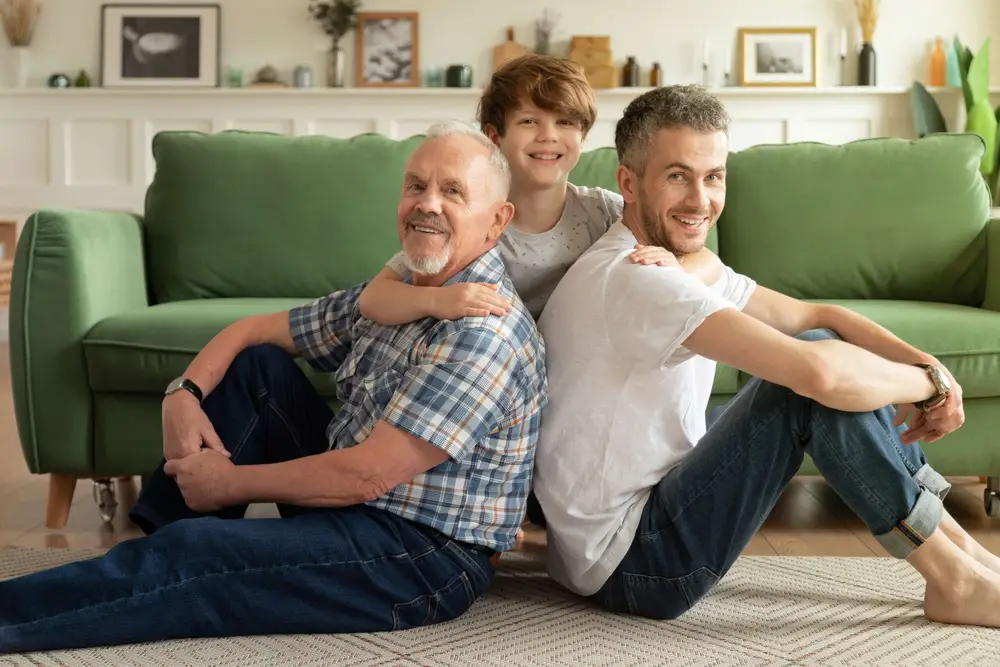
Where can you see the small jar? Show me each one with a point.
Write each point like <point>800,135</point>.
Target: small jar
<point>303,77</point>
<point>630,74</point>
<point>656,76</point>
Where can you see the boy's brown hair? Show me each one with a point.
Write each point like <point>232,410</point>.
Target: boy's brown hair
<point>551,83</point>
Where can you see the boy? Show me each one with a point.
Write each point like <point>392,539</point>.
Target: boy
<point>538,109</point>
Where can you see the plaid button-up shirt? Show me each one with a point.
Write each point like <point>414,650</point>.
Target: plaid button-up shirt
<point>474,387</point>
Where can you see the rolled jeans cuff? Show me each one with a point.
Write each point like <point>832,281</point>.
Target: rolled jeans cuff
<point>930,479</point>
<point>910,533</point>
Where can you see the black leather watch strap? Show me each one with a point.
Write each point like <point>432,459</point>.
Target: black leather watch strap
<point>193,388</point>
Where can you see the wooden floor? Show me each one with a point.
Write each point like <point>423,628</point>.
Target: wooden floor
<point>809,520</point>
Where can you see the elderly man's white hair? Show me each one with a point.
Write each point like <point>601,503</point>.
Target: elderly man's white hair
<point>455,128</point>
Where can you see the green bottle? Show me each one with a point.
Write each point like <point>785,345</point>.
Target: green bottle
<point>82,80</point>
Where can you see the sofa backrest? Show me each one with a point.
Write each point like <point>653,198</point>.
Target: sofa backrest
<point>241,214</point>
<point>881,218</point>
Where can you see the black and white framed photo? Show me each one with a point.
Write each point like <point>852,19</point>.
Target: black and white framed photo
<point>147,45</point>
<point>777,57</point>
<point>388,49</point>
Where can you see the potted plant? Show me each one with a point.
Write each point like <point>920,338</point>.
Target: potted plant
<point>337,18</point>
<point>19,19</point>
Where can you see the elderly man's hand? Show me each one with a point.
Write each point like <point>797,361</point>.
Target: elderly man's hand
<point>206,480</point>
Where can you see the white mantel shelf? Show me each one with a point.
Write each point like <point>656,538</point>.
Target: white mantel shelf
<point>90,147</point>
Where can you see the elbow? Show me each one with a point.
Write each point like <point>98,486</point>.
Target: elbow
<point>817,377</point>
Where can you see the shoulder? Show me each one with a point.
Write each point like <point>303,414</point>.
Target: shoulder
<point>600,206</point>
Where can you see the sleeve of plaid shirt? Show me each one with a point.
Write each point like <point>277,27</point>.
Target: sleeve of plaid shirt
<point>462,390</point>
<point>322,330</point>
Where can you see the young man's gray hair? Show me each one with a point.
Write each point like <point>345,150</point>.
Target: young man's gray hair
<point>667,107</point>
<point>455,128</point>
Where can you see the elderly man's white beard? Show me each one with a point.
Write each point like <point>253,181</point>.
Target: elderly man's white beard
<point>427,266</point>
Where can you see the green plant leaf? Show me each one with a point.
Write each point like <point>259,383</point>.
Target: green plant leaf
<point>983,121</point>
<point>927,117</point>
<point>979,76</point>
<point>964,61</point>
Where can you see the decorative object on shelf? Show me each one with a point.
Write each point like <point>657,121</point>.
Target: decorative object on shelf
<point>508,50</point>
<point>337,18</point>
<point>593,53</point>
<point>867,61</point>
<point>234,76</point>
<point>267,77</point>
<point>777,57</point>
<point>842,55</point>
<point>706,60</point>
<point>544,27</point>
<point>435,77</point>
<point>630,73</point>
<point>458,76</point>
<point>59,81</point>
<point>655,76</point>
<point>303,77</point>
<point>82,80</point>
<point>939,65</point>
<point>954,78</point>
<point>145,45</point>
<point>981,117</point>
<point>388,49</point>
<point>727,67</point>
<point>20,20</point>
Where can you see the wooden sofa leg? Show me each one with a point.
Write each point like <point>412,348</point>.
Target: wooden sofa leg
<point>61,489</point>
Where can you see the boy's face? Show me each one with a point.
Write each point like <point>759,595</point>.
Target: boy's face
<point>541,147</point>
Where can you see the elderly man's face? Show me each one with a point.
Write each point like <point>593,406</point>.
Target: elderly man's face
<point>450,211</point>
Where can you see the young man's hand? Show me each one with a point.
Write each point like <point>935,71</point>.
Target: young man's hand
<point>454,302</point>
<point>653,254</point>
<point>935,424</point>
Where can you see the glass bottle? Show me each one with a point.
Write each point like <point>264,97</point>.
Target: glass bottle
<point>630,76</point>
<point>655,76</point>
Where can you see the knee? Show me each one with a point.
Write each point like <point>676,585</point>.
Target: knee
<point>818,334</point>
<point>265,357</point>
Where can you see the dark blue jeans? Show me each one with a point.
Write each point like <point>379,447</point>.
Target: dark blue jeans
<point>353,569</point>
<point>701,515</point>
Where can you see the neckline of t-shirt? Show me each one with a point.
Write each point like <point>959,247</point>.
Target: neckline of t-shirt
<point>570,192</point>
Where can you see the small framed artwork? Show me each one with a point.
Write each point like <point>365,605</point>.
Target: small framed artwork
<point>388,49</point>
<point>777,56</point>
<point>147,45</point>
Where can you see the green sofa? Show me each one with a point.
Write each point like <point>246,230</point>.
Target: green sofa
<point>107,308</point>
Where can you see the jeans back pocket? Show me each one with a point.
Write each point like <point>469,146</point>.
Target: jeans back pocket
<point>663,598</point>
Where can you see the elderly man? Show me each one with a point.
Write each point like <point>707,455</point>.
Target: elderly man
<point>391,508</point>
<point>646,506</point>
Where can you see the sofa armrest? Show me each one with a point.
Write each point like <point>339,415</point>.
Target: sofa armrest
<point>71,270</point>
<point>992,298</point>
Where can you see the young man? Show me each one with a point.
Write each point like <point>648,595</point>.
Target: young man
<point>646,507</point>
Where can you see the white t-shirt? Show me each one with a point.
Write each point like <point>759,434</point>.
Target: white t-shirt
<point>537,262</point>
<point>626,400</point>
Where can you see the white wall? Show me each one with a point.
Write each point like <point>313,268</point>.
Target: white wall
<point>279,32</point>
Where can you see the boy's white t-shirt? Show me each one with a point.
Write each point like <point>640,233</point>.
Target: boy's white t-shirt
<point>537,262</point>
<point>626,400</point>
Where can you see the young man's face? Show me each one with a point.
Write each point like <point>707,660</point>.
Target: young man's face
<point>541,147</point>
<point>681,195</point>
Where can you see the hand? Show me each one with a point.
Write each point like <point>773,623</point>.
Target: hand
<point>653,254</point>
<point>205,480</point>
<point>939,422</point>
<point>186,427</point>
<point>453,302</point>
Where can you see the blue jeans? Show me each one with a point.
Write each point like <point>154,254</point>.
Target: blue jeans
<point>352,569</point>
<point>701,515</point>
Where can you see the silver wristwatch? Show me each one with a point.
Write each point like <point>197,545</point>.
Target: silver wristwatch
<point>942,386</point>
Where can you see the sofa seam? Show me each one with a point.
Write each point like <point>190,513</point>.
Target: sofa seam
<point>25,338</point>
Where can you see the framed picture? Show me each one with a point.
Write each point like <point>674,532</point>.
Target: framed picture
<point>160,45</point>
<point>388,49</point>
<point>777,56</point>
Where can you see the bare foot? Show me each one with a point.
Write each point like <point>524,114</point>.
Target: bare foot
<point>972,598</point>
<point>968,544</point>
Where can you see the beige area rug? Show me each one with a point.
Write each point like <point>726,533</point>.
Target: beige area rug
<point>767,611</point>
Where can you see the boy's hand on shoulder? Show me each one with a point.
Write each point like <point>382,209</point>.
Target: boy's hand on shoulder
<point>453,302</point>
<point>653,254</point>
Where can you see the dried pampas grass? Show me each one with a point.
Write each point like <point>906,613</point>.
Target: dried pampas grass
<point>867,17</point>
<point>19,19</point>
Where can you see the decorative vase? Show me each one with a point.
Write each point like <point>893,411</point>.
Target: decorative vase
<point>20,66</point>
<point>866,65</point>
<point>335,67</point>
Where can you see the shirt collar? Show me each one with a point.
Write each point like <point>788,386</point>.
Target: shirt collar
<point>487,268</point>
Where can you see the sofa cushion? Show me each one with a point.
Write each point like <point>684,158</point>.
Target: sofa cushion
<point>241,214</point>
<point>143,350</point>
<point>882,218</point>
<point>966,340</point>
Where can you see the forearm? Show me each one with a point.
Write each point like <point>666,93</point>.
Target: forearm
<point>331,479</point>
<point>392,302</point>
<point>859,330</point>
<point>854,379</point>
<point>208,368</point>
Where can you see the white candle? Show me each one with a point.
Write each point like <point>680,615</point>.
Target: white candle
<point>843,43</point>
<point>706,52</point>
<point>729,60</point>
